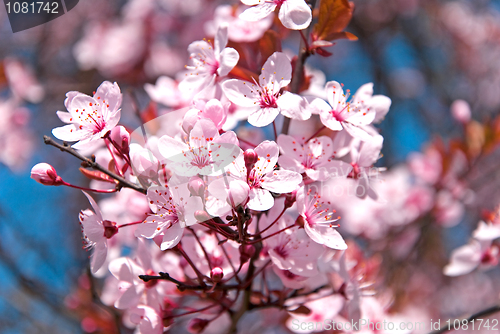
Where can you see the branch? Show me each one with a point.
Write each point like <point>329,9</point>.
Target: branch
<point>484,313</point>
<point>121,181</point>
<point>181,286</point>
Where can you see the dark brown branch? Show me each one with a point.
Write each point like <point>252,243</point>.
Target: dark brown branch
<point>121,181</point>
<point>181,286</point>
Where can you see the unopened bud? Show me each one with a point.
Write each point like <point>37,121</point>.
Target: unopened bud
<point>110,228</point>
<point>216,274</point>
<point>290,199</point>
<point>197,325</point>
<point>120,136</point>
<point>250,157</point>
<point>46,175</point>
<point>460,110</point>
<point>238,193</point>
<point>196,186</point>
<point>246,253</point>
<point>202,215</point>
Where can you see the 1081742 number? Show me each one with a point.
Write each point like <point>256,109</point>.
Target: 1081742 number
<point>32,8</point>
<point>474,324</point>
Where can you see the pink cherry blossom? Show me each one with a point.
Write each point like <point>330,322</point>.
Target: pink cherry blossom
<point>265,100</point>
<point>212,109</point>
<point>147,319</point>
<point>340,114</point>
<point>241,30</point>
<point>89,118</point>
<point>263,178</point>
<point>206,152</point>
<point>293,14</point>
<point>487,231</point>
<point>318,216</point>
<point>96,232</point>
<point>292,249</point>
<point>209,62</point>
<point>476,253</point>
<point>173,210</point>
<point>166,91</point>
<point>313,158</point>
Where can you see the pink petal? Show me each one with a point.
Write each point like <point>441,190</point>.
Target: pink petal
<point>69,132</point>
<point>263,116</point>
<point>228,59</point>
<point>94,206</point>
<point>172,236</point>
<point>99,254</point>
<point>276,72</point>
<point>326,235</point>
<point>258,12</point>
<point>293,106</point>
<point>260,200</point>
<point>242,93</point>
<point>295,14</point>
<point>281,181</point>
<point>335,93</point>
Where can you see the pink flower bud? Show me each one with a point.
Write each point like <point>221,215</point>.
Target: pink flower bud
<point>110,228</point>
<point>216,274</point>
<point>197,325</point>
<point>246,252</point>
<point>290,199</point>
<point>202,216</point>
<point>460,110</point>
<point>46,175</point>
<point>250,157</point>
<point>121,137</point>
<point>238,193</point>
<point>196,186</point>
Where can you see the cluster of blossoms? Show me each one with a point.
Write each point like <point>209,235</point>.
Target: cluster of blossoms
<point>216,220</point>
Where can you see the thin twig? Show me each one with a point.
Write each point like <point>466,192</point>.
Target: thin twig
<point>121,181</point>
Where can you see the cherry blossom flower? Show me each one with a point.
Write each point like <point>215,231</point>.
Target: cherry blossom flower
<point>292,249</point>
<point>293,14</point>
<point>468,257</point>
<point>264,100</point>
<point>363,156</point>
<point>89,118</point>
<point>241,30</point>
<point>205,153</point>
<point>96,233</point>
<point>212,109</point>
<point>147,319</point>
<point>262,177</point>
<point>313,158</point>
<point>340,114</point>
<point>319,216</point>
<point>209,62</point>
<point>487,231</point>
<point>173,209</point>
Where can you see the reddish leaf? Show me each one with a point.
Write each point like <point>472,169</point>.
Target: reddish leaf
<point>96,175</point>
<point>334,16</point>
<point>269,44</point>
<point>149,113</point>
<point>243,74</point>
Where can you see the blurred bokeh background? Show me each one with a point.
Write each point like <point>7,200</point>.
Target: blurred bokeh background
<point>423,54</point>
